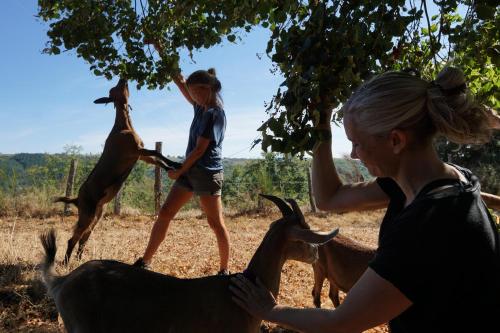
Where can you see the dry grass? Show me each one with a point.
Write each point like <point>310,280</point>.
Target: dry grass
<point>189,251</point>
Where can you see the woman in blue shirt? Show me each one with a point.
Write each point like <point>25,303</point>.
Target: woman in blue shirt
<point>202,172</point>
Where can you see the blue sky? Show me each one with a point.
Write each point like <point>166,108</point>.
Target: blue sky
<point>47,100</point>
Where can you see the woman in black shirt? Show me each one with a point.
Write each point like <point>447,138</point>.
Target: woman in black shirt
<point>437,268</point>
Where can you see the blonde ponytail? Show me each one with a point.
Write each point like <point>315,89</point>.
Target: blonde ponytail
<point>401,100</point>
<point>453,110</point>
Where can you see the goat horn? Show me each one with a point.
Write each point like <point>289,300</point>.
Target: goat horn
<point>309,236</point>
<point>298,212</point>
<point>282,205</point>
<point>103,100</point>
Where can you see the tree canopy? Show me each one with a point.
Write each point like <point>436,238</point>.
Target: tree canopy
<point>324,49</point>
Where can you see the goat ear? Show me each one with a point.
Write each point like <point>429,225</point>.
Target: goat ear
<point>282,205</point>
<point>298,213</point>
<point>103,100</point>
<point>309,236</point>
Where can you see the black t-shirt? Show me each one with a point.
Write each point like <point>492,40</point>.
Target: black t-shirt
<point>442,252</point>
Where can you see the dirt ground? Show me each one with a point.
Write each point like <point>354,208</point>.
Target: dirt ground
<point>189,251</point>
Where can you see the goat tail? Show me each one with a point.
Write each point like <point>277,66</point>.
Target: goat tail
<point>50,278</point>
<point>67,200</point>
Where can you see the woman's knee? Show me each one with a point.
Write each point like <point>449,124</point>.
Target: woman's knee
<point>217,224</point>
<point>167,212</point>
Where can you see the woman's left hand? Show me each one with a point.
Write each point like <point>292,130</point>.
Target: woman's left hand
<point>254,298</point>
<point>174,174</point>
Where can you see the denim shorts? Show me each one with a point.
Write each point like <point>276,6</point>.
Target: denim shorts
<point>201,181</point>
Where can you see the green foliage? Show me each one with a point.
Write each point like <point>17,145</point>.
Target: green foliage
<point>31,190</point>
<point>483,160</point>
<point>324,49</point>
<point>285,177</point>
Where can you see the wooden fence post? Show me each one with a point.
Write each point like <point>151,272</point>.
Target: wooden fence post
<point>312,202</point>
<point>70,183</point>
<point>117,207</point>
<point>157,182</point>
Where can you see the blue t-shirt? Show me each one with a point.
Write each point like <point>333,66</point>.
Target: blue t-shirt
<point>210,124</point>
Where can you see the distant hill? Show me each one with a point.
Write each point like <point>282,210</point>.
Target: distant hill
<point>14,167</point>
<point>20,168</point>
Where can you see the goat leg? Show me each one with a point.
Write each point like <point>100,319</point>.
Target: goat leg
<point>334,294</point>
<point>71,245</point>
<point>171,164</point>
<point>86,234</point>
<point>319,277</point>
<point>85,219</point>
<point>154,161</point>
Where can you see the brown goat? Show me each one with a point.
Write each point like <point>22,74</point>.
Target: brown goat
<point>122,149</point>
<point>109,296</point>
<point>342,261</point>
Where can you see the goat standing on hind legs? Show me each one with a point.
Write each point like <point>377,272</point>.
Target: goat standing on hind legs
<point>122,149</point>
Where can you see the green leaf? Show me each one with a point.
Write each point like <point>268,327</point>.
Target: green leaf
<point>323,49</point>
<point>485,12</point>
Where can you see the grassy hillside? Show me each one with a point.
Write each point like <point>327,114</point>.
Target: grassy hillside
<point>29,182</point>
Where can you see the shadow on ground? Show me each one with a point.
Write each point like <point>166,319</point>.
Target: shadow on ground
<point>24,306</point>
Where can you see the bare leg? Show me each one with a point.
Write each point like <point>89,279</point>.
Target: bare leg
<point>176,198</point>
<point>212,206</point>
<point>319,277</point>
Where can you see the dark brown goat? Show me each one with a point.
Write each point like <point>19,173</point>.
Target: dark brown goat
<point>122,149</point>
<point>342,261</point>
<point>109,296</point>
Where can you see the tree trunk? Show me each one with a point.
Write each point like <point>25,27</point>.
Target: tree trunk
<point>312,202</point>
<point>70,183</point>
<point>117,209</point>
<point>157,183</point>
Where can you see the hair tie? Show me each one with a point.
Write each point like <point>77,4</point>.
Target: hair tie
<point>460,89</point>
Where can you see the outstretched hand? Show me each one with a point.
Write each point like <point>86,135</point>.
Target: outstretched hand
<point>153,42</point>
<point>179,79</point>
<point>254,298</point>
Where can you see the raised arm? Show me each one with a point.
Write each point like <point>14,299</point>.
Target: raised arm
<point>329,191</point>
<point>492,201</point>
<point>179,80</point>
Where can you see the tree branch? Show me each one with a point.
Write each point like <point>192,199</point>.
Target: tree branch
<point>144,16</point>
<point>431,39</point>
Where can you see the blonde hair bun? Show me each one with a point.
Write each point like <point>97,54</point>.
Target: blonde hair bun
<point>211,71</point>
